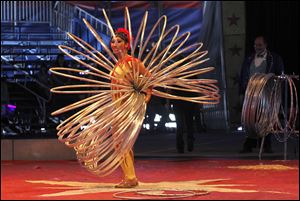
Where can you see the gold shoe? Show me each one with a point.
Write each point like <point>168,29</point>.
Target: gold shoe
<point>128,183</point>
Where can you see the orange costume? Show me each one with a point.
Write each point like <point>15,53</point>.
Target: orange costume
<point>124,72</point>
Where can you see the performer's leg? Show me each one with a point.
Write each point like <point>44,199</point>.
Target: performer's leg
<point>268,144</point>
<point>129,171</point>
<point>188,121</point>
<point>127,166</point>
<point>180,128</point>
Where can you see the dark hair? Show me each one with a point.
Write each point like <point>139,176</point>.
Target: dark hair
<point>263,37</point>
<point>123,36</point>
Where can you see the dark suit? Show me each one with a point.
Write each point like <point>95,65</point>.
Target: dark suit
<point>184,113</point>
<point>274,65</point>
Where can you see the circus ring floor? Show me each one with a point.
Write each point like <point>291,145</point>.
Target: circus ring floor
<point>193,179</point>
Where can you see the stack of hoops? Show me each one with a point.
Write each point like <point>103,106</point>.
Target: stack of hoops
<point>265,106</point>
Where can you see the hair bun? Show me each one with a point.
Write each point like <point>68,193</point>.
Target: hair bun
<point>126,33</point>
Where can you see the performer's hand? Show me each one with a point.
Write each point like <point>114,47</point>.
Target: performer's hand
<point>147,98</point>
<point>148,95</point>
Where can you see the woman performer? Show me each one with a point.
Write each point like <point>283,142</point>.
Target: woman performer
<point>124,70</point>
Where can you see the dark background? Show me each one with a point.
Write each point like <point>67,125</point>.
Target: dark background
<point>278,21</point>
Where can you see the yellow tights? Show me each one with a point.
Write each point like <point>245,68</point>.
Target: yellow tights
<point>128,166</point>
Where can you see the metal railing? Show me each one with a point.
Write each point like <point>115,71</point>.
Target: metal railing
<point>58,14</point>
<point>61,15</point>
<point>95,22</point>
<point>26,11</point>
<point>65,13</point>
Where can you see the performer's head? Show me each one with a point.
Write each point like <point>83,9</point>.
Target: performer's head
<point>121,42</point>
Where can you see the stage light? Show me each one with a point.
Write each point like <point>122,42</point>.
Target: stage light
<point>84,72</point>
<point>147,126</point>
<point>172,117</point>
<point>11,106</point>
<point>171,125</point>
<point>240,128</point>
<point>157,118</point>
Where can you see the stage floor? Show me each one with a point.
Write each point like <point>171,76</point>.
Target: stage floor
<point>193,179</point>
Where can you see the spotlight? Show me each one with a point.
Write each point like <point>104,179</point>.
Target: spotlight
<point>171,125</point>
<point>240,128</point>
<point>172,117</point>
<point>147,126</point>
<point>157,118</point>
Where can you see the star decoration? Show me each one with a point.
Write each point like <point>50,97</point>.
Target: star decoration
<point>235,78</point>
<point>233,19</point>
<point>79,188</point>
<point>235,50</point>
